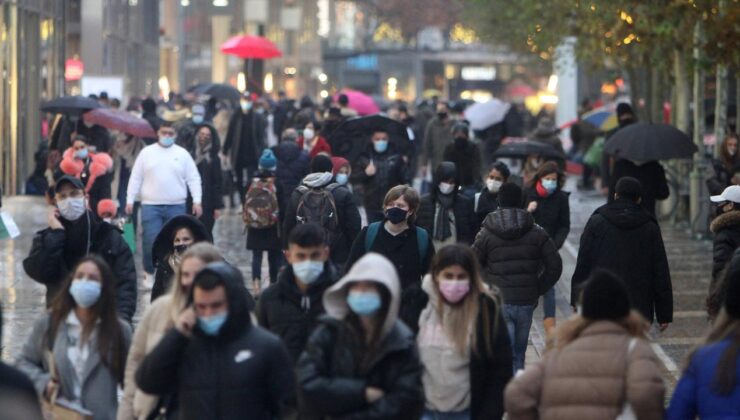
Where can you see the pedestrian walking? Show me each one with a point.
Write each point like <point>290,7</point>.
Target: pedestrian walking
<point>312,142</point>
<point>187,128</point>
<point>445,212</point>
<point>207,146</point>
<point>293,164</point>
<point>549,133</point>
<point>726,228</point>
<point>328,204</point>
<point>407,246</point>
<point>380,168</point>
<point>726,166</point>
<point>624,238</point>
<point>215,359</point>
<point>261,216</point>
<point>463,342</point>
<point>625,116</point>
<point>73,233</point>
<point>291,307</point>
<point>361,361</point>
<point>345,110</point>
<point>342,171</point>
<point>549,205</point>
<point>519,258</point>
<point>651,176</point>
<point>602,365</point>
<point>149,113</point>
<point>467,159</point>
<point>17,393</point>
<point>709,385</point>
<point>78,350</point>
<point>486,201</point>
<point>173,240</point>
<point>245,140</point>
<point>164,173</point>
<point>99,138</point>
<point>437,137</point>
<point>126,150</point>
<point>157,320</point>
<point>92,168</point>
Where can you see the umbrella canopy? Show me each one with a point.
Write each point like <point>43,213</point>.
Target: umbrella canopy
<point>250,46</point>
<point>121,121</point>
<point>521,148</point>
<point>360,102</point>
<point>350,139</point>
<point>521,91</point>
<point>217,90</point>
<point>484,115</point>
<point>604,119</point>
<point>646,142</point>
<point>70,105</point>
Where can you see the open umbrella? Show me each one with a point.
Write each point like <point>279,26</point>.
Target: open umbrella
<point>121,121</point>
<point>217,90</point>
<point>250,46</point>
<point>521,148</point>
<point>486,114</point>
<point>70,105</point>
<point>646,142</point>
<point>603,118</point>
<point>350,139</point>
<point>360,102</point>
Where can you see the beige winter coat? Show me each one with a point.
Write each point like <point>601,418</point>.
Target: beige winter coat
<point>155,322</point>
<point>590,378</point>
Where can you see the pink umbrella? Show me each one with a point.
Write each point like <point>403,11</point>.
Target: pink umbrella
<point>121,121</point>
<point>250,46</point>
<point>360,102</point>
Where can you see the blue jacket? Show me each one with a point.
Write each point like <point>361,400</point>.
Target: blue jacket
<point>694,395</point>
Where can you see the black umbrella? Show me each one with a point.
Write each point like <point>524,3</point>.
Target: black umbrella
<point>350,139</point>
<point>70,105</point>
<point>646,142</point>
<point>524,148</point>
<point>217,90</point>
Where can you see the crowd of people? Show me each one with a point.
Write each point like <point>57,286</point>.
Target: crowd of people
<point>379,300</point>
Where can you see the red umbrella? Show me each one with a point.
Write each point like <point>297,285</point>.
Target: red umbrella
<point>121,121</point>
<point>360,102</point>
<point>250,46</point>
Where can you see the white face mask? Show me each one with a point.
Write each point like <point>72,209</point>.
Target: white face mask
<point>71,208</point>
<point>493,185</point>
<point>446,188</point>
<point>308,134</point>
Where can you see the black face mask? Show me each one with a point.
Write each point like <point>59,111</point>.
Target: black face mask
<point>396,215</point>
<point>442,115</point>
<point>180,249</point>
<point>461,142</point>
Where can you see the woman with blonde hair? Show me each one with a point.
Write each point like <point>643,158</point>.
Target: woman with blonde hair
<point>159,318</point>
<point>601,365</point>
<point>463,341</point>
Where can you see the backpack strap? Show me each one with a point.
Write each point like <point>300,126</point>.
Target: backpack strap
<point>371,234</point>
<point>477,200</point>
<point>422,241</point>
<point>331,187</point>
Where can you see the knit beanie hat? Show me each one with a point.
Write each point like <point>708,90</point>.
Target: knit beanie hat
<point>510,195</point>
<point>106,206</point>
<point>605,297</point>
<point>267,160</point>
<point>338,163</point>
<point>321,163</point>
<point>732,296</point>
<point>624,108</point>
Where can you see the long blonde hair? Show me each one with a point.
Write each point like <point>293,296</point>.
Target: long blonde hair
<point>634,324</point>
<point>460,321</point>
<point>205,252</point>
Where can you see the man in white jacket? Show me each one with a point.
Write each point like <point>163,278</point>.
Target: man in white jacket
<point>163,173</point>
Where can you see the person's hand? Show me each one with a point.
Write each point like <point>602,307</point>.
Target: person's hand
<point>51,388</point>
<point>197,210</point>
<point>373,394</point>
<point>216,214</point>
<point>53,219</point>
<point>532,207</point>
<point>186,321</point>
<point>129,209</point>
<point>663,326</point>
<point>370,170</point>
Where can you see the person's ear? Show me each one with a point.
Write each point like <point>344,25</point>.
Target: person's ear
<point>287,255</point>
<point>325,253</point>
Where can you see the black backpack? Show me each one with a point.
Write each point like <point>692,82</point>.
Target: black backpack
<point>317,206</point>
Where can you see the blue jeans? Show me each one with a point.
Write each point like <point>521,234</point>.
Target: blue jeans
<point>153,217</point>
<point>518,321</point>
<point>549,303</point>
<point>438,415</point>
<point>274,260</point>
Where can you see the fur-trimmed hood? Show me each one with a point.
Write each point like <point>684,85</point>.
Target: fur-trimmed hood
<point>724,221</point>
<point>100,164</point>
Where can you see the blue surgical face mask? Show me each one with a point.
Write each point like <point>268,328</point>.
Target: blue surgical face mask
<point>85,292</point>
<point>363,303</point>
<point>380,146</point>
<point>81,154</point>
<point>308,271</point>
<point>167,141</point>
<point>550,185</point>
<point>211,325</point>
<point>197,119</point>
<point>342,179</point>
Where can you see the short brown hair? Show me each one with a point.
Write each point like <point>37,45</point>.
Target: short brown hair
<point>410,196</point>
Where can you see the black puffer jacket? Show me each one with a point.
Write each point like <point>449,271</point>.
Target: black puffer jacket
<point>211,176</point>
<point>293,165</point>
<point>462,208</point>
<point>517,256</point>
<point>52,258</point>
<point>390,170</point>
<point>163,248</point>
<point>624,238</point>
<point>651,176</point>
<point>726,229</point>
<point>243,372</point>
<point>553,214</point>
<point>467,161</point>
<point>285,311</point>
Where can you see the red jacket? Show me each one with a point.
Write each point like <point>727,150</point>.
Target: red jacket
<point>321,146</point>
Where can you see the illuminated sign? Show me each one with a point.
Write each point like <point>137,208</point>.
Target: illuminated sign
<point>478,73</point>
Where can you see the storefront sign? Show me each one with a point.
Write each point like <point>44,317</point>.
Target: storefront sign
<point>73,69</point>
<point>478,73</point>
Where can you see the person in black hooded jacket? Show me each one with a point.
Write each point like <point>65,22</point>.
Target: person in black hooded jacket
<point>726,229</point>
<point>205,155</point>
<point>651,176</point>
<point>486,200</point>
<point>293,164</point>
<point>175,237</point>
<point>218,363</point>
<point>467,159</point>
<point>621,236</point>
<point>443,201</point>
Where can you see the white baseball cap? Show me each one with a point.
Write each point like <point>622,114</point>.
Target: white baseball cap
<point>731,193</point>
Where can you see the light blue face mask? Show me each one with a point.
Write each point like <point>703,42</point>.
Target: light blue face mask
<point>342,179</point>
<point>364,303</point>
<point>85,292</point>
<point>550,185</point>
<point>167,141</point>
<point>308,271</point>
<point>380,146</point>
<point>81,154</point>
<point>197,119</point>
<point>211,325</point>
